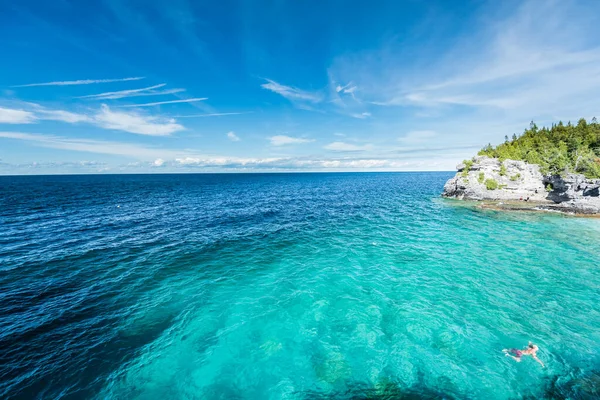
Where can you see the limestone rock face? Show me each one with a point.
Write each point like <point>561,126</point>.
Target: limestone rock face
<point>517,180</point>
<point>575,192</point>
<point>488,179</point>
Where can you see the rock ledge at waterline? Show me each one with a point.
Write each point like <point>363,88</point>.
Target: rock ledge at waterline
<point>515,181</point>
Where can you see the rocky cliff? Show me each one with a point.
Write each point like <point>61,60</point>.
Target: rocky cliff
<point>484,178</point>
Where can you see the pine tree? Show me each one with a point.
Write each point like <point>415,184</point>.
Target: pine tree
<point>559,149</point>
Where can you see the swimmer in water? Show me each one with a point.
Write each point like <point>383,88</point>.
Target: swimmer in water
<point>530,350</point>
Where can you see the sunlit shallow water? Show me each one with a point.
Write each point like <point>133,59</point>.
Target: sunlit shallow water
<point>291,286</point>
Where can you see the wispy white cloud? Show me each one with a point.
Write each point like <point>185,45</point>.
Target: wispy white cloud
<point>357,164</point>
<point>489,82</point>
<point>80,82</point>
<point>128,121</point>
<point>36,113</point>
<point>299,163</point>
<point>350,90</point>
<point>347,147</point>
<point>282,140</point>
<point>136,123</point>
<point>14,116</point>
<point>521,68</point>
<point>49,167</point>
<point>362,115</point>
<point>232,162</point>
<point>61,115</point>
<point>310,164</point>
<point>340,88</point>
<point>212,114</point>
<point>307,107</point>
<point>174,160</point>
<point>147,91</point>
<point>120,93</point>
<point>339,94</point>
<point>233,137</point>
<point>158,103</point>
<point>291,93</point>
<point>129,150</point>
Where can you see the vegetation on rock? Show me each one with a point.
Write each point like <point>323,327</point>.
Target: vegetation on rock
<point>502,169</point>
<point>468,165</point>
<point>558,150</point>
<point>491,184</point>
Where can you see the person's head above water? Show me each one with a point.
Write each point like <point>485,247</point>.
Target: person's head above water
<point>531,348</point>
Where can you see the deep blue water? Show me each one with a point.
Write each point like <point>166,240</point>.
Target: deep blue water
<point>288,286</point>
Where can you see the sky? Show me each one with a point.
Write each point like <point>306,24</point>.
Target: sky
<point>120,86</point>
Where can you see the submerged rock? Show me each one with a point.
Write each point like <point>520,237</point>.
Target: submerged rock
<point>577,385</point>
<point>485,178</point>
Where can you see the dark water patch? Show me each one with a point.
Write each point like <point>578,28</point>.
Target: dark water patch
<point>578,384</point>
<point>385,389</point>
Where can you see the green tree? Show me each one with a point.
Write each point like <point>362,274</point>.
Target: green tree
<point>557,150</point>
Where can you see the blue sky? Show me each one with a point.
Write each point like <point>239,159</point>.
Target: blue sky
<point>201,86</point>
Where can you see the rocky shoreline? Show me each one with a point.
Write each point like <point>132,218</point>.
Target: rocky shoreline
<point>517,185</point>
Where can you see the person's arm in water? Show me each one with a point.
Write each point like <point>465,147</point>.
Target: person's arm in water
<point>533,351</point>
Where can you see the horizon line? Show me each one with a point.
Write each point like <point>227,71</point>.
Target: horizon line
<point>223,173</point>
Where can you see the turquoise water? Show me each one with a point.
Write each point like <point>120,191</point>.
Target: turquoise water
<point>291,286</point>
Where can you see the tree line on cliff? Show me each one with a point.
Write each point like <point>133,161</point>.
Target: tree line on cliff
<point>558,150</point>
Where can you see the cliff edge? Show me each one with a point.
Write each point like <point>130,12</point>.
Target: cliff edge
<point>485,178</point>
